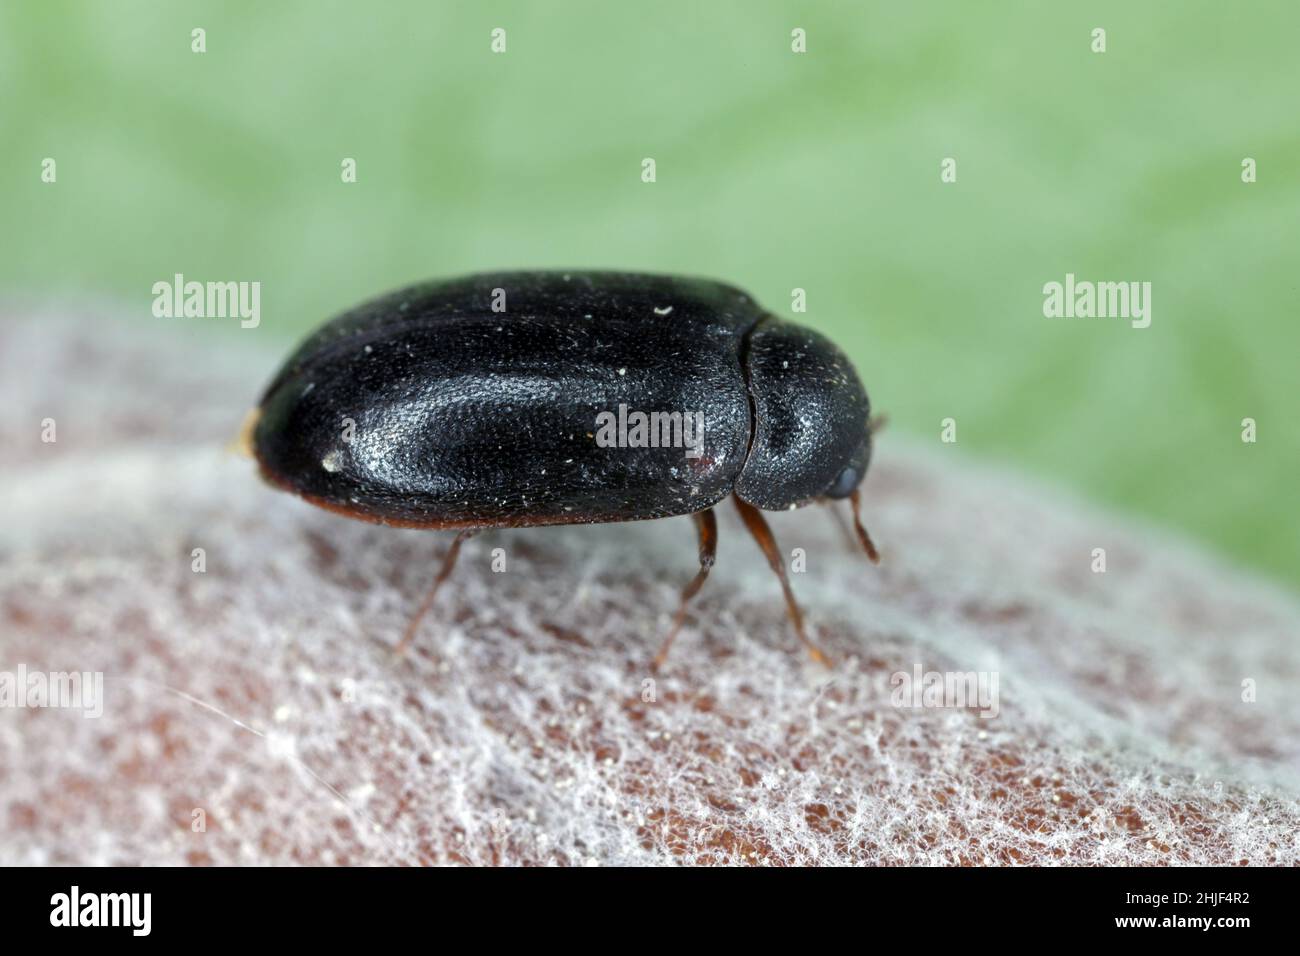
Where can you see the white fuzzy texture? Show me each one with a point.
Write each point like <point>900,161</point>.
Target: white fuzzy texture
<point>266,694</point>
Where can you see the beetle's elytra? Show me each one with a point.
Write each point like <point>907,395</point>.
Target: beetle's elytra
<point>489,402</point>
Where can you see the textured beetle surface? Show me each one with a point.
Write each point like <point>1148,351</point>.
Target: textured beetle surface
<point>427,408</point>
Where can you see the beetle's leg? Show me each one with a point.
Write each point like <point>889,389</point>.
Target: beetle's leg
<point>867,544</point>
<point>448,562</point>
<point>877,423</point>
<point>757,526</point>
<point>707,527</point>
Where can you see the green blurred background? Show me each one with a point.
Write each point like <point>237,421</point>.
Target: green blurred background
<point>775,171</point>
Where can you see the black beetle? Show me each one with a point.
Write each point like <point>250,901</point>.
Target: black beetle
<point>482,402</point>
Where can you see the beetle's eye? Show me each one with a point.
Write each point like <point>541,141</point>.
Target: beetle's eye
<point>844,484</point>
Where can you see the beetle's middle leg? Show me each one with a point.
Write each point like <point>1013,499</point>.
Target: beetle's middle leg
<point>707,527</point>
<point>448,562</point>
<point>757,526</point>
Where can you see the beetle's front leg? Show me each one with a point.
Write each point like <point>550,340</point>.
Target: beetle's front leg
<point>758,527</point>
<point>707,527</point>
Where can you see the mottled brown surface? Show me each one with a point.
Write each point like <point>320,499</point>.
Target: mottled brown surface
<point>264,691</point>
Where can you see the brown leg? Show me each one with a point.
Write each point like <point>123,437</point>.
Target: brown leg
<point>763,535</point>
<point>448,562</point>
<point>867,544</point>
<point>707,527</point>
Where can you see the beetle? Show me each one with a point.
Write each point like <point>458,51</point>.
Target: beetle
<point>481,402</point>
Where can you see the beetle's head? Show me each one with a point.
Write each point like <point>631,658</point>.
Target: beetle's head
<point>811,433</point>
<point>853,472</point>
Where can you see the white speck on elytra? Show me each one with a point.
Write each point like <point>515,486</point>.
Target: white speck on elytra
<point>622,371</point>
<point>664,311</point>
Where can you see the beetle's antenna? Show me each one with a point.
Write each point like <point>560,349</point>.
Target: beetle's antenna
<point>448,562</point>
<point>850,540</point>
<point>867,544</point>
<point>877,423</point>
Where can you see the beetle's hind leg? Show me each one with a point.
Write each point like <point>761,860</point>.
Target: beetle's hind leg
<point>707,527</point>
<point>448,562</point>
<point>757,526</point>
